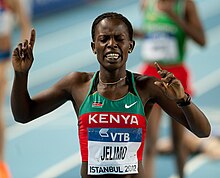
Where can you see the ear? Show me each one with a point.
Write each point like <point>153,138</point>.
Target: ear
<point>131,46</point>
<point>93,47</point>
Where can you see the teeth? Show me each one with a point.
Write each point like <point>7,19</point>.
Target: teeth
<point>112,55</point>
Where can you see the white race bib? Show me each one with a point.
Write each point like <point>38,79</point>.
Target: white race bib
<point>113,150</point>
<point>158,47</point>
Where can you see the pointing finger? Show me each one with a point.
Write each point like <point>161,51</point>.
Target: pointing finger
<point>160,71</point>
<point>157,66</point>
<point>32,38</point>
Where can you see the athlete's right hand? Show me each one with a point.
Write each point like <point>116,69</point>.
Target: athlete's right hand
<point>22,56</point>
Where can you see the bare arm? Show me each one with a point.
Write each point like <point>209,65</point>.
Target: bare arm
<point>25,108</point>
<point>190,116</point>
<point>197,121</point>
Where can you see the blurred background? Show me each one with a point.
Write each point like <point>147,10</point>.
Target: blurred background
<point>48,147</point>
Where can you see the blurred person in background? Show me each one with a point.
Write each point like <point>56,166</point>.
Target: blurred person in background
<point>11,13</point>
<point>166,25</point>
<point>207,146</point>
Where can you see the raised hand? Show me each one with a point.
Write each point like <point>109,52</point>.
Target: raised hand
<point>170,85</point>
<point>22,56</point>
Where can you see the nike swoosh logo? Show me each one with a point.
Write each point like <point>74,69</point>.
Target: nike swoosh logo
<point>128,106</point>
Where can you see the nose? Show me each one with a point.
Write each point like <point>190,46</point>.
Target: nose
<point>112,43</point>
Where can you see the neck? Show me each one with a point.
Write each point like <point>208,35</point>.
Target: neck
<point>112,83</point>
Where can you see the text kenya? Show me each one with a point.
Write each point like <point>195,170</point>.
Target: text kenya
<point>109,118</point>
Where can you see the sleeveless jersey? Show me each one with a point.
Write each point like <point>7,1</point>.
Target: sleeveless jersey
<point>112,132</point>
<point>164,40</point>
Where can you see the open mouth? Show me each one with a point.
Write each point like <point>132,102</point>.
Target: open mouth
<point>112,57</point>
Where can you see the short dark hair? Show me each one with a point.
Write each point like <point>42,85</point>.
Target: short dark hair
<point>115,16</point>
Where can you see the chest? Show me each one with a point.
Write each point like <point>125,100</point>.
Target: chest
<point>97,103</point>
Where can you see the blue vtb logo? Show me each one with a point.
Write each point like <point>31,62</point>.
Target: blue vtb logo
<point>115,134</point>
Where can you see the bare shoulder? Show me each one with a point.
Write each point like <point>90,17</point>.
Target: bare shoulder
<point>146,87</point>
<point>190,6</point>
<point>190,2</point>
<point>73,80</point>
<point>144,81</point>
<point>143,4</point>
<point>78,78</point>
<point>75,85</point>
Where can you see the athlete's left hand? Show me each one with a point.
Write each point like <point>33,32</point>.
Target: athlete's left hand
<point>169,84</point>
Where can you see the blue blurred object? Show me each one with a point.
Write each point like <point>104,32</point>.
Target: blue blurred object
<point>45,7</point>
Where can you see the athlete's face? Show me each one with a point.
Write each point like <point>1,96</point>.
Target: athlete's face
<point>112,43</point>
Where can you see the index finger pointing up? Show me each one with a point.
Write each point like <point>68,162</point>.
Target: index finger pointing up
<point>32,38</point>
<point>157,66</point>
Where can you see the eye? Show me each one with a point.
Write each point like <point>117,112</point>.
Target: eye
<point>119,38</point>
<point>103,39</point>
